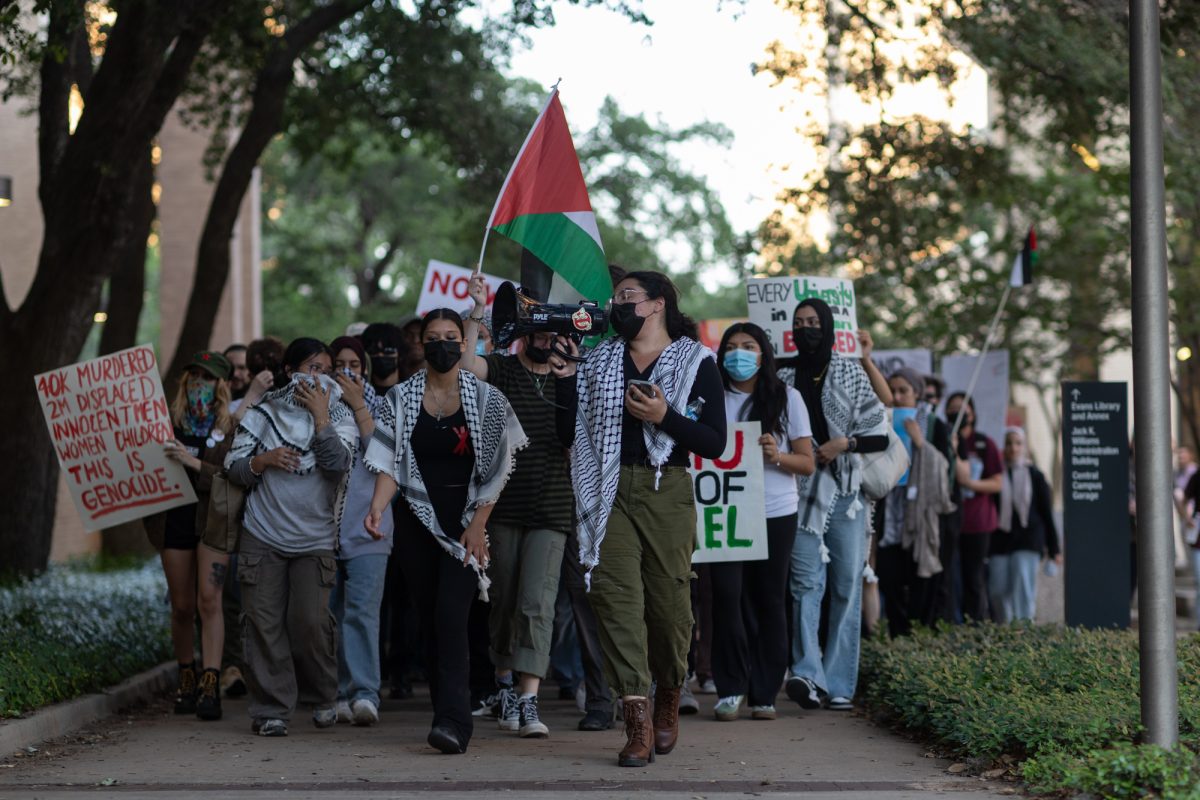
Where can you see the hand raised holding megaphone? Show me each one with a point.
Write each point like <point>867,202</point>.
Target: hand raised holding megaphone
<point>515,315</point>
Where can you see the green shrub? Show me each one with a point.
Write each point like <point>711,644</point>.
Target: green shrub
<point>69,632</point>
<point>1123,771</point>
<point>1067,699</point>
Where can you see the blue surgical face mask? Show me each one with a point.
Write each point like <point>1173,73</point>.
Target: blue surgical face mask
<point>741,364</point>
<point>480,349</point>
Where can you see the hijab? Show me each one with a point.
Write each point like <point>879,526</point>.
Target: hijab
<point>811,369</point>
<point>1016,493</point>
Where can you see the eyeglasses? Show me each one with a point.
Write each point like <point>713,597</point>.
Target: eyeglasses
<point>627,295</point>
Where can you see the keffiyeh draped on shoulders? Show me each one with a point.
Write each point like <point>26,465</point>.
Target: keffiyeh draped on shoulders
<point>596,455</point>
<point>496,436</point>
<point>851,408</point>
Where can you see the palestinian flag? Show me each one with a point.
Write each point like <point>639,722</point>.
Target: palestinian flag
<point>544,207</point>
<point>1022,270</point>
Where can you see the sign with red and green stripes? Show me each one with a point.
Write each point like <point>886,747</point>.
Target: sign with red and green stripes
<point>544,207</point>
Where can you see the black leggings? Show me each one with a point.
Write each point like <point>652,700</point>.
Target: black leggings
<point>442,590</point>
<point>973,553</point>
<point>750,634</point>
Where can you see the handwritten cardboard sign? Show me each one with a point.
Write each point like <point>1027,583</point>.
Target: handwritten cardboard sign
<point>731,517</point>
<point>445,286</point>
<point>772,301</point>
<point>108,420</point>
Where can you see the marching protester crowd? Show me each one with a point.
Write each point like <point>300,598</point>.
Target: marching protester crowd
<point>406,503</point>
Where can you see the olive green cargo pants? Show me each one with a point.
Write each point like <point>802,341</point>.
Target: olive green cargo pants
<point>641,589</point>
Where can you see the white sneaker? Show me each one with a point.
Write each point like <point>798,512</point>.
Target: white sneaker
<point>688,704</point>
<point>727,708</point>
<point>365,713</point>
<point>840,704</point>
<point>509,716</point>
<point>344,714</point>
<point>708,687</point>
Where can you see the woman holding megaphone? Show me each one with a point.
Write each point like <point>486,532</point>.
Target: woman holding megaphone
<point>632,413</point>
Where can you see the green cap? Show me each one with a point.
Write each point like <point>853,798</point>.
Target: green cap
<point>213,363</point>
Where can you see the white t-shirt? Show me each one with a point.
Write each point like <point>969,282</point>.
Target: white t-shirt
<point>782,496</point>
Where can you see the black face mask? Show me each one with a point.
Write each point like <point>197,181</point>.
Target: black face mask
<point>383,366</point>
<point>625,320</point>
<point>538,355</point>
<point>808,340</point>
<point>443,354</point>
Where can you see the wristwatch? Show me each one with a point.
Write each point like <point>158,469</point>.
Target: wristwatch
<point>851,443</point>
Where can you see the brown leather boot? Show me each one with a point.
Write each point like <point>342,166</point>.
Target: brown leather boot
<point>666,719</point>
<point>639,745</point>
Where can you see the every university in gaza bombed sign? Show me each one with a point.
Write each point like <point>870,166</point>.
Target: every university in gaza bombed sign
<point>108,420</point>
<point>771,302</point>
<point>731,517</point>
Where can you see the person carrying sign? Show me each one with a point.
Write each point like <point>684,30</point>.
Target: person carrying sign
<point>755,591</point>
<point>847,419</point>
<point>201,420</point>
<point>632,412</point>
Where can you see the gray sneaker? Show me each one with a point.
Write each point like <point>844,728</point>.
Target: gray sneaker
<point>508,718</point>
<point>531,726</point>
<point>688,704</point>
<point>269,727</point>
<point>365,712</point>
<point>325,717</point>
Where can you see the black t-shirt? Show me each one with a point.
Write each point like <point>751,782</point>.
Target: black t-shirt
<point>180,521</point>
<point>702,434</point>
<point>446,459</point>
<point>538,493</point>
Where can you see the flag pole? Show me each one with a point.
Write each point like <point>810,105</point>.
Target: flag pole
<point>987,345</point>
<point>488,228</point>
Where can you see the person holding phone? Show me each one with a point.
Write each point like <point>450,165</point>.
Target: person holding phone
<point>632,413</point>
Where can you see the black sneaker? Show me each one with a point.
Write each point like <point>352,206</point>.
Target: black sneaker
<point>531,726</point>
<point>595,721</point>
<point>185,695</point>
<point>208,699</point>
<point>805,692</point>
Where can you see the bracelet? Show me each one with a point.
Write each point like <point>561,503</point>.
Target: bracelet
<point>476,319</point>
<point>360,408</point>
<point>252,472</point>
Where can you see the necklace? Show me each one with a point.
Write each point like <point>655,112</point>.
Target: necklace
<point>441,403</point>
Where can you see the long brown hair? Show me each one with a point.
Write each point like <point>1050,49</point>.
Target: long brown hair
<point>221,401</point>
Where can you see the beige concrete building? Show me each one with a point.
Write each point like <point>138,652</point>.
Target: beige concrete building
<point>182,207</point>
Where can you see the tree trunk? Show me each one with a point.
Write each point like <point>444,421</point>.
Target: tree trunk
<point>265,119</point>
<point>127,286</point>
<point>85,188</point>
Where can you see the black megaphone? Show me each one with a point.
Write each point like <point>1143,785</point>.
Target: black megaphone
<point>515,315</point>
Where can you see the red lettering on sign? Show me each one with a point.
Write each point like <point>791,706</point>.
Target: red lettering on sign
<point>439,282</point>
<point>738,438</point>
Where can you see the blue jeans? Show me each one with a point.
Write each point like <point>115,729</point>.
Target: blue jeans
<point>835,671</point>
<point>355,603</point>
<point>1012,585</point>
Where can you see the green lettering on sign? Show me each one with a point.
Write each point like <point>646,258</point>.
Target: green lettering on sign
<point>731,528</point>
<point>711,527</point>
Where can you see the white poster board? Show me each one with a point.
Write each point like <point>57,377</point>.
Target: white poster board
<point>108,420</point>
<point>771,302</point>
<point>991,391</point>
<point>889,361</point>
<point>446,286</point>
<point>731,517</point>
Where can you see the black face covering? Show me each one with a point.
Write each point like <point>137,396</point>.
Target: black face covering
<point>383,366</point>
<point>625,320</point>
<point>808,340</point>
<point>443,354</point>
<point>538,355</point>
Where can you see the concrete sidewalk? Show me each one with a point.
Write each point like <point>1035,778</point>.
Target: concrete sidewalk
<point>149,753</point>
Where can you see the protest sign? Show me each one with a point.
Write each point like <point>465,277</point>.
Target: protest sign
<point>889,361</point>
<point>108,420</point>
<point>731,517</point>
<point>991,391</point>
<point>446,286</point>
<point>772,300</point>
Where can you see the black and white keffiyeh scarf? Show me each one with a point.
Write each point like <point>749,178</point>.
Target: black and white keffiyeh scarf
<point>851,408</point>
<point>280,420</point>
<point>596,456</point>
<point>496,436</point>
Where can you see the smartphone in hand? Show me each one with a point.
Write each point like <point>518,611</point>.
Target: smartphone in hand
<point>645,387</point>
